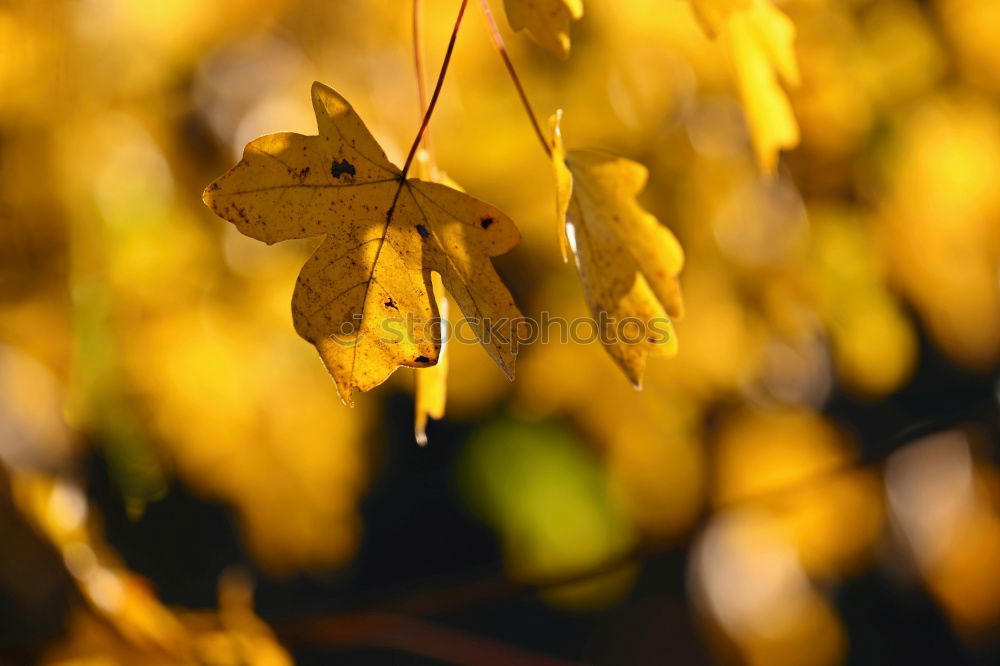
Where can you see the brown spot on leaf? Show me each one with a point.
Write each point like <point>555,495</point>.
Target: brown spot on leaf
<point>391,303</point>
<point>486,222</point>
<point>343,167</point>
<point>422,230</point>
<point>421,359</point>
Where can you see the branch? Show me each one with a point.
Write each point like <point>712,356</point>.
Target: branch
<point>410,635</point>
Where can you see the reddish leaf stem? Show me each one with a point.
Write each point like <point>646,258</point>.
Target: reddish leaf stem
<point>502,50</point>
<point>437,91</point>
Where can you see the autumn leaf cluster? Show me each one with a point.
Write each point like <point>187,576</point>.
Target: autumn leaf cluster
<point>806,191</point>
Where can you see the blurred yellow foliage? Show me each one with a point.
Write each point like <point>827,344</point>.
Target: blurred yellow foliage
<point>939,221</point>
<point>748,581</point>
<point>874,343</point>
<point>134,322</point>
<point>126,623</point>
<point>548,21</point>
<point>797,467</point>
<point>946,505</point>
<point>760,39</point>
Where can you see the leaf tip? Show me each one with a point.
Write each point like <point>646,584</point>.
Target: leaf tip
<point>508,370</point>
<point>346,394</point>
<point>318,88</point>
<point>208,194</point>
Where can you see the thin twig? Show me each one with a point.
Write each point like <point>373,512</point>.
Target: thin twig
<point>441,599</point>
<point>502,50</point>
<point>437,92</point>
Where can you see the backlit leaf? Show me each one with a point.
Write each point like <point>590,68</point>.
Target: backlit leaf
<point>431,383</point>
<point>760,40</point>
<point>547,21</point>
<point>628,262</point>
<point>365,298</point>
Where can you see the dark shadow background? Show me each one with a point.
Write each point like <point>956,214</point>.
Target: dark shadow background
<point>418,537</point>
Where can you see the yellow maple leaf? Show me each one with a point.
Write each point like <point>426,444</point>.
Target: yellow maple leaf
<point>547,21</point>
<point>628,261</point>
<point>431,383</point>
<point>364,298</point>
<point>760,40</point>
